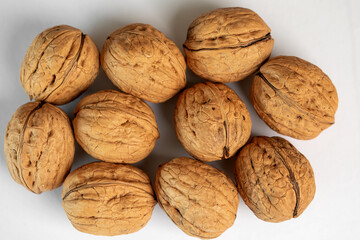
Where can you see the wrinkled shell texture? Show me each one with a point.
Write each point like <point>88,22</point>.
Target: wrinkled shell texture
<point>211,121</point>
<point>201,200</point>
<point>115,127</point>
<point>39,146</point>
<point>294,97</point>
<point>108,199</point>
<point>274,179</point>
<point>227,44</point>
<point>60,64</point>
<point>142,61</point>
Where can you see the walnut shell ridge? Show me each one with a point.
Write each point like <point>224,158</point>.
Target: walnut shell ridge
<point>142,61</point>
<point>108,199</point>
<point>211,121</point>
<point>227,44</point>
<point>60,64</point>
<point>39,146</point>
<point>115,127</point>
<point>274,179</point>
<point>201,200</point>
<point>294,97</point>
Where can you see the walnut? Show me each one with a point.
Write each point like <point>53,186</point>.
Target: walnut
<point>201,200</point>
<point>211,121</point>
<point>142,61</point>
<point>108,198</point>
<point>115,127</point>
<point>227,44</point>
<point>39,146</point>
<point>274,179</point>
<point>60,64</point>
<point>294,97</point>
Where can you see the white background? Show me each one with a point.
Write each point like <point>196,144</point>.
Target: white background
<point>326,33</point>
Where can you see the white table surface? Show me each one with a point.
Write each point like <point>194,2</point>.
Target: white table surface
<point>326,33</point>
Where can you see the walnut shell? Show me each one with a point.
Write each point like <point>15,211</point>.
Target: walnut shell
<point>294,97</point>
<point>227,44</point>
<point>274,179</point>
<point>201,200</point>
<point>211,121</point>
<point>115,127</point>
<point>39,146</point>
<point>60,64</point>
<point>142,61</point>
<point>108,198</point>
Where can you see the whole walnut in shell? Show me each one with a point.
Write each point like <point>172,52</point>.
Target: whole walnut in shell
<point>60,64</point>
<point>294,97</point>
<point>227,44</point>
<point>274,179</point>
<point>142,61</point>
<point>211,121</point>
<point>39,146</point>
<point>201,200</point>
<point>108,198</point>
<point>115,127</point>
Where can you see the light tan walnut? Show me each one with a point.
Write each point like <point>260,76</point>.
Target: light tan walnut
<point>115,127</point>
<point>211,121</point>
<point>60,64</point>
<point>294,97</point>
<point>201,200</point>
<point>274,179</point>
<point>142,61</point>
<point>227,44</point>
<point>39,146</point>
<point>108,199</point>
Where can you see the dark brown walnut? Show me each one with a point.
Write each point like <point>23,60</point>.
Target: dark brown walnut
<point>108,199</point>
<point>39,146</point>
<point>115,127</point>
<point>294,97</point>
<point>142,61</point>
<point>274,179</point>
<point>59,65</point>
<point>211,121</point>
<point>227,44</point>
<point>201,200</point>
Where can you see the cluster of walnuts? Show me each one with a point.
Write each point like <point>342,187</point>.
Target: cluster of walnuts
<point>111,197</point>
